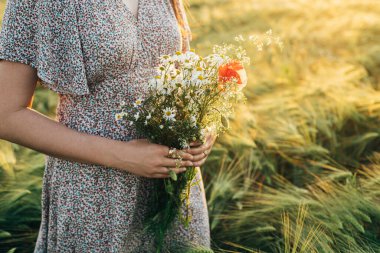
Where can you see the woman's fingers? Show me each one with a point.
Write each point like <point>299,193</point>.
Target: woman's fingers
<point>201,162</point>
<point>203,155</point>
<point>200,153</point>
<point>194,156</point>
<point>199,143</point>
<point>199,157</point>
<point>180,153</point>
<point>195,143</point>
<point>174,163</point>
<point>185,155</point>
<point>200,149</point>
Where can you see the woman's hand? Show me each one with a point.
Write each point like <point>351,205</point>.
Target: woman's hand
<point>146,159</point>
<point>201,151</point>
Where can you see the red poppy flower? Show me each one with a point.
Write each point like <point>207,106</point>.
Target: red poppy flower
<point>230,71</point>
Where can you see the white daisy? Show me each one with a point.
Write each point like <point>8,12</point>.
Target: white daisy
<point>193,120</point>
<point>184,144</point>
<point>152,83</point>
<point>192,56</point>
<point>138,102</point>
<point>137,115</point>
<point>215,59</point>
<point>187,64</point>
<point>161,126</point>
<point>118,116</point>
<point>179,56</point>
<point>165,59</point>
<point>169,113</point>
<point>149,116</point>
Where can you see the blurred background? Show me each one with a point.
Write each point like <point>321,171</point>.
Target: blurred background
<point>299,170</point>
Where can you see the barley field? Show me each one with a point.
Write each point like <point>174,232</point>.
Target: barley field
<point>299,171</point>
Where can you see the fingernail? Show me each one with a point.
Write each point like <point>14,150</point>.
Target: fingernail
<point>184,169</point>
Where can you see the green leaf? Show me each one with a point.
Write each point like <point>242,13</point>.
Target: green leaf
<point>4,234</point>
<point>173,175</point>
<point>225,122</point>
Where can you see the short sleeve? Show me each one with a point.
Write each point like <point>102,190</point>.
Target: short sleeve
<point>17,42</point>
<point>45,35</point>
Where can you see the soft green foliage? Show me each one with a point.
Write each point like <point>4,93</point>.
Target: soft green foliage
<point>300,170</point>
<point>20,193</point>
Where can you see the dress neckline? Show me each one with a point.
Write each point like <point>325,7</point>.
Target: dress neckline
<point>136,18</point>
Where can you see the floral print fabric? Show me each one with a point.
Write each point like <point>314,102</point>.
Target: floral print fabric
<point>95,54</point>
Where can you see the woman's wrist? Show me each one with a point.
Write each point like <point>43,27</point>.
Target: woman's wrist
<point>115,154</point>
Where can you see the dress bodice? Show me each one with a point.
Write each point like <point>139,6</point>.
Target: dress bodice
<point>120,53</point>
<point>115,42</point>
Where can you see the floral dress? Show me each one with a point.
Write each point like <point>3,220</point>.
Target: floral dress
<point>95,54</point>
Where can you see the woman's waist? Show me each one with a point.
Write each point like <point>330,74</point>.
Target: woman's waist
<point>95,112</point>
<point>95,115</point>
<point>107,94</point>
<point>96,122</point>
<point>122,82</point>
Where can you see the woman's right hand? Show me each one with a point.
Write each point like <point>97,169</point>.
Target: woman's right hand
<point>143,158</point>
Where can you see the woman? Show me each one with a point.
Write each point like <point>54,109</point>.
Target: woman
<point>98,174</point>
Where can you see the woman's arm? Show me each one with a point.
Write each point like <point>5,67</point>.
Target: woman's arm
<point>25,126</point>
<point>22,125</point>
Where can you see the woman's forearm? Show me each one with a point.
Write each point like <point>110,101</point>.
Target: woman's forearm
<point>34,130</point>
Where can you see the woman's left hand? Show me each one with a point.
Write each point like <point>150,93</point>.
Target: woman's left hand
<point>201,151</point>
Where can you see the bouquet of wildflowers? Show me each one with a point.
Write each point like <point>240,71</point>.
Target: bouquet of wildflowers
<point>189,97</point>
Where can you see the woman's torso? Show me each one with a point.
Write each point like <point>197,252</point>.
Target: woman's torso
<point>120,52</point>
<point>85,206</point>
